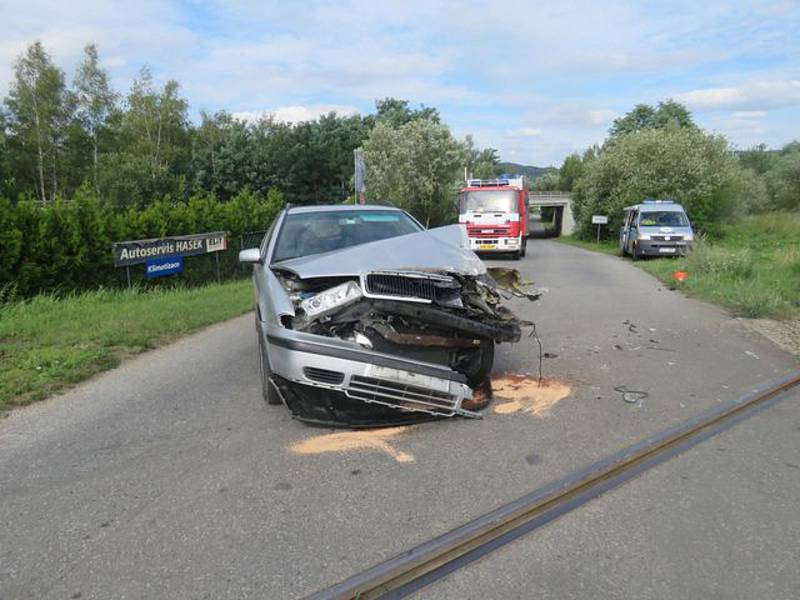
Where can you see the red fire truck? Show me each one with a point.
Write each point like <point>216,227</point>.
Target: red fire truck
<point>495,212</point>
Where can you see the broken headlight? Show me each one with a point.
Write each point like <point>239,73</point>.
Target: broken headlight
<point>331,299</point>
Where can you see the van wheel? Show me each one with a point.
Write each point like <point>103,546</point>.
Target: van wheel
<point>634,253</point>
<point>268,391</point>
<point>524,248</point>
<point>516,255</point>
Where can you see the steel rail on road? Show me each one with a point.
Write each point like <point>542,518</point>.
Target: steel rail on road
<point>414,569</point>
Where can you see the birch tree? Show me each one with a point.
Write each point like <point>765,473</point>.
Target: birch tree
<point>38,113</point>
<point>94,99</point>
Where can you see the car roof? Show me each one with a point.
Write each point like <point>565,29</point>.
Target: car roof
<point>656,207</point>
<point>339,208</point>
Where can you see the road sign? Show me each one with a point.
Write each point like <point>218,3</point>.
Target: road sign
<point>161,267</point>
<point>599,219</point>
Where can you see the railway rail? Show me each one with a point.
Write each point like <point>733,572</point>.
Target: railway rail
<point>410,571</point>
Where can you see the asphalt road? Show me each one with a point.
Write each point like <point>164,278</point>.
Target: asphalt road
<point>169,477</point>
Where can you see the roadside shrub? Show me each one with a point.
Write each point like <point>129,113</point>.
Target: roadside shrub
<point>66,245</point>
<point>686,165</point>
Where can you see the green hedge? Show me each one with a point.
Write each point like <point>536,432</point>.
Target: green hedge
<point>67,245</point>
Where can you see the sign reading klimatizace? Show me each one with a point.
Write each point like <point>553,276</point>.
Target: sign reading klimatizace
<point>599,219</point>
<point>138,251</point>
<point>161,267</point>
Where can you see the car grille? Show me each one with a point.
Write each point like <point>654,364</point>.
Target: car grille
<point>666,238</point>
<point>479,232</point>
<point>323,375</point>
<point>416,287</point>
<point>401,395</point>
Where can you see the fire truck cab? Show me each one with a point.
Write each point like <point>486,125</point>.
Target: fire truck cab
<point>495,213</point>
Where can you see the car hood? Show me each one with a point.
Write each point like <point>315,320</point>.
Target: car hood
<point>444,249</point>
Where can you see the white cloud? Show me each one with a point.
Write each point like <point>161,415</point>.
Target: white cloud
<point>296,114</point>
<point>602,116</point>
<point>526,132</point>
<point>756,96</point>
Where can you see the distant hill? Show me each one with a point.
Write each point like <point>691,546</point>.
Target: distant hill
<point>528,170</point>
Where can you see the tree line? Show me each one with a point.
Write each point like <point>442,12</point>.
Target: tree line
<point>659,151</point>
<point>82,165</point>
<point>135,148</point>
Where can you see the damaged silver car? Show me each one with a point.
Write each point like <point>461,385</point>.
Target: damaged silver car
<point>364,318</point>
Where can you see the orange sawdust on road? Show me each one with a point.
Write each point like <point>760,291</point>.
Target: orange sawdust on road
<point>344,441</point>
<point>518,393</point>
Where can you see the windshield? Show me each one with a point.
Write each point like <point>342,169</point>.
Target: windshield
<point>316,232</point>
<point>663,219</point>
<point>504,201</point>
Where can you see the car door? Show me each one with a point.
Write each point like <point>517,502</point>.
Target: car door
<point>633,230</point>
<point>623,232</point>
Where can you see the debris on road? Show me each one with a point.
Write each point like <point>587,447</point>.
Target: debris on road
<point>345,441</point>
<point>631,396</point>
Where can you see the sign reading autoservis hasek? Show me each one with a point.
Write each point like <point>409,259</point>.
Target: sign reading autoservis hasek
<point>138,251</point>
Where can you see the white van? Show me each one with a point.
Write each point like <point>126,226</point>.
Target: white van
<point>655,228</point>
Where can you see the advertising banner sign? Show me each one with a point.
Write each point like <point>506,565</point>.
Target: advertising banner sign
<point>134,252</point>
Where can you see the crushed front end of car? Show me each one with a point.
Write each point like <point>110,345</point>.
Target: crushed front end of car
<point>390,332</point>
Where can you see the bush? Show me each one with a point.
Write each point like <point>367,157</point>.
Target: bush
<point>693,168</point>
<point>66,245</point>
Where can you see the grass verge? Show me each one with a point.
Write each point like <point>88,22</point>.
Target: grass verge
<point>48,343</point>
<point>605,246</point>
<point>751,268</point>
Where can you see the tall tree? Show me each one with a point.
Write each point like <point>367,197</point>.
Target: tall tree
<point>416,166</point>
<point>643,116</point>
<point>154,146</point>
<point>94,100</point>
<point>479,163</point>
<point>570,172</point>
<point>397,112</point>
<point>38,114</point>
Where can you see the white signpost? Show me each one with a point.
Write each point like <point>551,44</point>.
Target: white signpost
<point>599,220</point>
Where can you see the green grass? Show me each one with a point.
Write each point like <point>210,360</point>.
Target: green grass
<point>48,343</point>
<point>752,268</point>
<point>605,246</point>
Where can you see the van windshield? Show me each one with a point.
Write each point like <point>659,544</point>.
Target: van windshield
<point>504,201</point>
<point>665,218</point>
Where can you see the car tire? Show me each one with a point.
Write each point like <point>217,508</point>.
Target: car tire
<point>524,250</point>
<point>268,390</point>
<point>484,365</point>
<point>634,253</point>
<point>516,255</point>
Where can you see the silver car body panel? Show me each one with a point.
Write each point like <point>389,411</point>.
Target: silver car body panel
<point>441,250</point>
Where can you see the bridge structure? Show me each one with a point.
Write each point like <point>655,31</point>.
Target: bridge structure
<point>561,202</point>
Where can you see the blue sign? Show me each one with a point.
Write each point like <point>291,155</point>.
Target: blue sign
<point>161,267</point>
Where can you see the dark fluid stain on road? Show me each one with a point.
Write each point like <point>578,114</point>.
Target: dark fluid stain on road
<point>533,459</point>
<point>519,393</point>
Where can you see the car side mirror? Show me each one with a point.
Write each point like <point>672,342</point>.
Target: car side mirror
<point>251,255</point>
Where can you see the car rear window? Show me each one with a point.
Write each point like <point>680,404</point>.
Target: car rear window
<point>303,234</point>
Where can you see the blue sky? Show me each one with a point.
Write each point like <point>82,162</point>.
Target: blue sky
<point>537,80</point>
